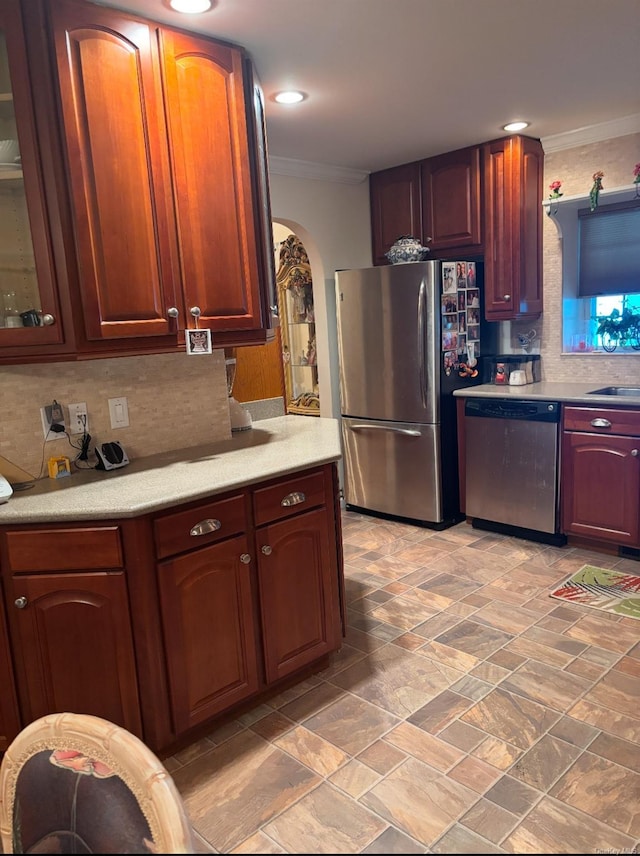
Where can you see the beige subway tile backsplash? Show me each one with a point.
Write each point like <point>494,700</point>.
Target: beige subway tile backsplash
<point>174,401</point>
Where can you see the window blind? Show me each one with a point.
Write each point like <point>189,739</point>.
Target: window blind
<point>609,249</point>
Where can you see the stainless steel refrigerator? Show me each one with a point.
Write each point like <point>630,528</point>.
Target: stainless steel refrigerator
<point>403,348</point>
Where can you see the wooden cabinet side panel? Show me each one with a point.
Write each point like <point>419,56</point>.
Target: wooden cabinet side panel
<point>204,96</point>
<point>298,593</point>
<point>74,647</point>
<point>499,301</point>
<point>207,612</point>
<point>395,207</point>
<point>600,486</point>
<point>116,157</point>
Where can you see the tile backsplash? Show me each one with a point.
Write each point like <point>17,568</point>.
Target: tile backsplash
<point>174,401</point>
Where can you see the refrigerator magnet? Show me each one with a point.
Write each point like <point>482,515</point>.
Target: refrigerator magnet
<point>199,342</point>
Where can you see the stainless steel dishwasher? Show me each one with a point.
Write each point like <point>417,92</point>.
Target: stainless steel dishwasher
<point>511,448</point>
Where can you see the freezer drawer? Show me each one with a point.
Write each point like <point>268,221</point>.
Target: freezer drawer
<point>393,468</point>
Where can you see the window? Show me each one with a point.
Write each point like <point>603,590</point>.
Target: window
<point>600,265</point>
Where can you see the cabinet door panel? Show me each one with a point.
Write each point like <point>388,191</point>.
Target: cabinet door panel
<point>208,620</point>
<point>74,646</point>
<point>9,716</point>
<point>451,200</point>
<point>208,133</point>
<point>114,130</point>
<point>395,207</point>
<point>600,485</point>
<point>298,592</point>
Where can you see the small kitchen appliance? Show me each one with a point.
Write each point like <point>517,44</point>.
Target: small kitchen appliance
<point>240,416</point>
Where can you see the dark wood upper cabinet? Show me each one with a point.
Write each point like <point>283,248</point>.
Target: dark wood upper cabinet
<point>451,201</point>
<point>513,228</point>
<point>395,198</point>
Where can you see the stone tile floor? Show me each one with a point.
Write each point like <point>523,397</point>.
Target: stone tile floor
<point>467,712</point>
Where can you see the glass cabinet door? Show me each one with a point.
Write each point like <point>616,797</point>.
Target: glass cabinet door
<point>28,303</point>
<point>298,329</point>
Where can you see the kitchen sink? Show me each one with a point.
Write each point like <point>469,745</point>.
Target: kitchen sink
<point>616,390</point>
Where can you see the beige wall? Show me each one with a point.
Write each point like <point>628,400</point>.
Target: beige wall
<point>174,401</point>
<point>575,168</point>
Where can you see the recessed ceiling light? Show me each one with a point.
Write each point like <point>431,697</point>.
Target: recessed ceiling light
<point>190,7</point>
<point>289,97</point>
<point>515,126</point>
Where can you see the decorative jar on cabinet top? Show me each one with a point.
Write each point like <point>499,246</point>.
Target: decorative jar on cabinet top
<point>407,249</point>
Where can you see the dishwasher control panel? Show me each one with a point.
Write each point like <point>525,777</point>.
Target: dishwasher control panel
<point>507,408</point>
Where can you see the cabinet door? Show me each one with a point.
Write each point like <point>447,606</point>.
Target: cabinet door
<point>299,598</point>
<point>513,228</point>
<point>209,626</point>
<point>117,162</point>
<point>217,225</point>
<point>73,646</point>
<point>395,207</point>
<point>600,485</point>
<point>9,716</point>
<point>28,289</point>
<point>451,201</point>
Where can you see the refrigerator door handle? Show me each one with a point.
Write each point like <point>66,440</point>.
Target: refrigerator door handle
<point>409,432</point>
<point>422,312</point>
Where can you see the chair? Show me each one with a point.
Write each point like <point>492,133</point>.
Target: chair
<point>74,783</point>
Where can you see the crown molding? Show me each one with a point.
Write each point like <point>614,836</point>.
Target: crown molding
<point>317,171</point>
<point>592,134</point>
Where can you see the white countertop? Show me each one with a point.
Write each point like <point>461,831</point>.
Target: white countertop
<point>566,392</point>
<point>273,447</point>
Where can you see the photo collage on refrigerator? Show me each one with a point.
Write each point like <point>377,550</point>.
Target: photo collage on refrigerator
<point>460,313</point>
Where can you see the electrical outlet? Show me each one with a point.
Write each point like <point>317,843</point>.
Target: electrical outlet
<point>52,414</point>
<point>78,418</point>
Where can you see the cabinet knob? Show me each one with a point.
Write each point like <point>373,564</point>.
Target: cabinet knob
<point>20,602</point>
<point>267,549</point>
<point>634,452</point>
<point>195,311</point>
<point>245,558</point>
<point>172,312</point>
<point>205,526</point>
<point>506,297</point>
<point>274,311</point>
<point>48,319</point>
<point>294,498</point>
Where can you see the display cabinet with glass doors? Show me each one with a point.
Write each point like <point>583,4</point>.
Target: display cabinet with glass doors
<point>28,307</point>
<point>298,328</point>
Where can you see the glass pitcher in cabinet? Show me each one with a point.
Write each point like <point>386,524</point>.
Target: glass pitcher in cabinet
<point>29,309</point>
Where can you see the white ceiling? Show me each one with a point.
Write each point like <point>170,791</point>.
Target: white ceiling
<point>390,81</point>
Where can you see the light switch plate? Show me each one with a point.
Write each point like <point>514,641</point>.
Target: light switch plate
<point>119,412</point>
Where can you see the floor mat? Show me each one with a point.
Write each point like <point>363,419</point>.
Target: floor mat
<point>601,588</point>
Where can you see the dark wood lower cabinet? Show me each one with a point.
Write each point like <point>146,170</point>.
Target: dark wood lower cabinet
<point>73,646</point>
<point>163,622</point>
<point>9,714</point>
<point>298,593</point>
<point>208,620</point>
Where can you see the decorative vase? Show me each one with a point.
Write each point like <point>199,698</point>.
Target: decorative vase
<point>407,249</point>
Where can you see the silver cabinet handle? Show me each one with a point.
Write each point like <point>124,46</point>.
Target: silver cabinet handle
<point>172,312</point>
<point>205,526</point>
<point>48,319</point>
<point>409,432</point>
<point>294,498</point>
<point>20,602</point>
<point>195,311</point>
<point>245,558</point>
<point>506,297</point>
<point>267,549</point>
<point>601,423</point>
<point>634,453</point>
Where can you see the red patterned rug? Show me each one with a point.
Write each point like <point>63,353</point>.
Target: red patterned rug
<point>600,588</point>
